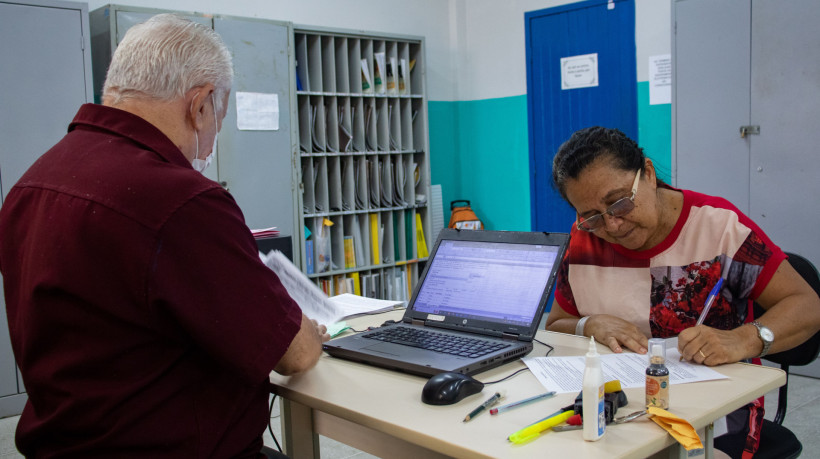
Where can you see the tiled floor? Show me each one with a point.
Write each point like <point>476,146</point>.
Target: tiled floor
<point>802,417</point>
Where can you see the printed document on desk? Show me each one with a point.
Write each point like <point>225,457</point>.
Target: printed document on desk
<point>355,305</point>
<point>313,301</point>
<point>565,374</point>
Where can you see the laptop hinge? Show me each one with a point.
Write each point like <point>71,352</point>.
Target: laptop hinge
<point>510,336</point>
<point>417,322</point>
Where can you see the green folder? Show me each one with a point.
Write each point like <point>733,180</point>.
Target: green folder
<point>396,249</point>
<point>408,233</point>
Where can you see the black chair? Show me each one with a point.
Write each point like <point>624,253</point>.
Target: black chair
<point>777,441</point>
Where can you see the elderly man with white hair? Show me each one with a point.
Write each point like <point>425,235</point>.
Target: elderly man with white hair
<point>142,320</point>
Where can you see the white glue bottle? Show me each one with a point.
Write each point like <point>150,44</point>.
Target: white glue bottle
<point>593,395</point>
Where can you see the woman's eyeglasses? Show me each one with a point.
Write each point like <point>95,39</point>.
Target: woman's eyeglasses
<point>619,208</point>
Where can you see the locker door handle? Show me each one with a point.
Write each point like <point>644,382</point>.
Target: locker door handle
<point>749,130</point>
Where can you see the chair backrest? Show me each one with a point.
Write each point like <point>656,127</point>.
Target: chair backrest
<point>803,354</point>
<point>807,352</point>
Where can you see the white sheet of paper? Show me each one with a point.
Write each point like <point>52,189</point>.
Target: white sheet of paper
<point>566,374</point>
<point>660,79</point>
<point>313,301</point>
<point>257,111</point>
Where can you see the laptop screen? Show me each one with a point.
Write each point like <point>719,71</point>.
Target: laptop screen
<point>493,281</point>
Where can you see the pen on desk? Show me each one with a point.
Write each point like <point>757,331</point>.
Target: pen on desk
<point>708,305</point>
<point>526,401</point>
<point>490,402</point>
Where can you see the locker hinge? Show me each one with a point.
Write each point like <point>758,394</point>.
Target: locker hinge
<point>749,130</point>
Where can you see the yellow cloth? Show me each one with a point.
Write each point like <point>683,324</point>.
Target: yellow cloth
<point>680,430</point>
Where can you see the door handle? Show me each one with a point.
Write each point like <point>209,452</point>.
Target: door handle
<point>749,130</point>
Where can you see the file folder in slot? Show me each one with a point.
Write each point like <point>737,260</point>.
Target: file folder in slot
<point>309,185</point>
<point>374,182</point>
<point>331,124</point>
<point>320,180</point>
<point>335,182</point>
<point>361,183</point>
<point>374,238</point>
<point>386,181</point>
<point>348,183</point>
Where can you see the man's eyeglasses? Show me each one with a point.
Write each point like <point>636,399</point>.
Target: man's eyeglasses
<point>619,208</point>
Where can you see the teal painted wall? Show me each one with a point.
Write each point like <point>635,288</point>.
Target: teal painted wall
<point>479,151</point>
<point>655,132</point>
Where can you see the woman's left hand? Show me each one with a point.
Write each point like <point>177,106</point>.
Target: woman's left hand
<point>710,346</point>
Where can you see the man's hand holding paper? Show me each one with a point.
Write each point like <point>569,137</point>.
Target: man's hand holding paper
<point>306,294</point>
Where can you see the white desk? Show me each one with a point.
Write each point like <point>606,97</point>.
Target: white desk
<point>380,411</point>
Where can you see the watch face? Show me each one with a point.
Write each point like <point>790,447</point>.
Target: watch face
<point>766,334</point>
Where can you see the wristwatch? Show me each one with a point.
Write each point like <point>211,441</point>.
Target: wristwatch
<point>765,335</point>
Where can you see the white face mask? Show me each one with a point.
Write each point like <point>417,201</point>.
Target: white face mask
<point>202,164</point>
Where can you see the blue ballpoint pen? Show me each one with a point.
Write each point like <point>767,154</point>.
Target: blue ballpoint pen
<point>709,300</point>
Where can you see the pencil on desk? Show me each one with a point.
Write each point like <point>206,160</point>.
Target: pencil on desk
<point>490,402</point>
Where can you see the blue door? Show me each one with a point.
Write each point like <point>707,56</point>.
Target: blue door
<point>599,27</point>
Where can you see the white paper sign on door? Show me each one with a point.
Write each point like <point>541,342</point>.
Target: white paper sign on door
<point>257,111</point>
<point>579,71</point>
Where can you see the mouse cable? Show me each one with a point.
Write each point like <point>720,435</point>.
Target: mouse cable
<point>545,344</point>
<point>506,377</point>
<point>523,369</point>
<point>270,428</point>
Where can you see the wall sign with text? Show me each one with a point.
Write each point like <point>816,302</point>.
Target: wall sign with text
<point>579,71</point>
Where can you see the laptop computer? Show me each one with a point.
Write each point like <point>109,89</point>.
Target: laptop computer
<point>487,287</point>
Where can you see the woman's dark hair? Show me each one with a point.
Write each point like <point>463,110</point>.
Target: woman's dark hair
<point>589,144</point>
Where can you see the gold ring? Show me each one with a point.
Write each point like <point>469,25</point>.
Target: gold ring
<point>701,353</point>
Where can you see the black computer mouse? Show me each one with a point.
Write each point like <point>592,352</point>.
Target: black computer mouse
<point>449,387</point>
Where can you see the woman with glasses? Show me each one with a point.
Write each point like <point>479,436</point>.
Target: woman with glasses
<point>643,258</point>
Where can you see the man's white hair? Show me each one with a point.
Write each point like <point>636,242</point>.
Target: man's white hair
<point>166,56</point>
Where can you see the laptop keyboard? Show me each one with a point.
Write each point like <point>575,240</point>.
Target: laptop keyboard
<point>437,342</point>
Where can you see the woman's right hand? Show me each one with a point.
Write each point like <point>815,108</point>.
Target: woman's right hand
<point>615,333</point>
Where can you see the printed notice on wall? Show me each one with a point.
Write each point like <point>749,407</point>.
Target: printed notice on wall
<point>660,79</point>
<point>579,71</point>
<point>257,111</point>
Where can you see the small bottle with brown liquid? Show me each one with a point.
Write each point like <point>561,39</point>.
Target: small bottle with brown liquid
<point>657,375</point>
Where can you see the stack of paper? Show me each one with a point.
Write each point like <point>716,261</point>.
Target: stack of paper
<point>354,305</point>
<point>265,232</point>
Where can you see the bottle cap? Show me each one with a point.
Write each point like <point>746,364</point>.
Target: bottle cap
<point>657,350</point>
<point>593,349</point>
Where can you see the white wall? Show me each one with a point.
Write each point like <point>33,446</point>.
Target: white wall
<point>492,62</point>
<point>491,40</point>
<point>475,48</point>
<point>427,18</point>
<point>653,32</point>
